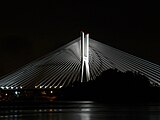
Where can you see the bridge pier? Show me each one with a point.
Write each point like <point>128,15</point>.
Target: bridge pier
<point>85,75</point>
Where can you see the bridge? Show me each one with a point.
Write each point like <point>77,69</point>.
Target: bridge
<point>81,60</point>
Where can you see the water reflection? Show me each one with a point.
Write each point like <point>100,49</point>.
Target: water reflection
<point>82,111</point>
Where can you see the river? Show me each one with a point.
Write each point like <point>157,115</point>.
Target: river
<point>81,110</point>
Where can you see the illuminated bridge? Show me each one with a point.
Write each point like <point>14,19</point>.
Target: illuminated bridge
<point>81,60</point>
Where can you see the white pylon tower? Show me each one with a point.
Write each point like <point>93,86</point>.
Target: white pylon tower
<point>85,75</point>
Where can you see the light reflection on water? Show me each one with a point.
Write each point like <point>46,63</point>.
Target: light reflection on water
<point>82,110</point>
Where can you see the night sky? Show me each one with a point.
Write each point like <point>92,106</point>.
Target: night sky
<point>29,30</point>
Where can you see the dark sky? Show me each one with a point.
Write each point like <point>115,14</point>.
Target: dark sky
<point>30,29</point>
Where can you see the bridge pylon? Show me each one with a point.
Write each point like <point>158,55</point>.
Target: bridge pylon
<point>85,74</point>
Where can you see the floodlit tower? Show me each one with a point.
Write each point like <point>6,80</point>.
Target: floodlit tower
<point>85,75</point>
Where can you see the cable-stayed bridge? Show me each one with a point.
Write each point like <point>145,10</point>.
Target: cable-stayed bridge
<point>81,60</point>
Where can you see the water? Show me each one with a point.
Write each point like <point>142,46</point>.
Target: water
<point>81,110</point>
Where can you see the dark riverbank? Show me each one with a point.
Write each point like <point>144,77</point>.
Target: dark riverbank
<point>112,86</point>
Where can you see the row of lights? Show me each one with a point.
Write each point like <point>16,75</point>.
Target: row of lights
<point>6,87</point>
<point>48,87</point>
<point>20,87</point>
